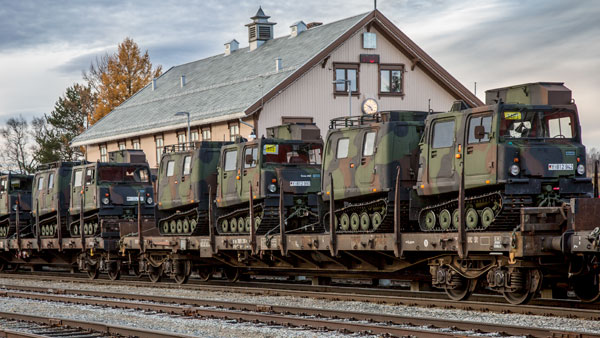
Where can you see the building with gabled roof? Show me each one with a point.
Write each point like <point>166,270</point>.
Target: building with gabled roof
<point>276,80</point>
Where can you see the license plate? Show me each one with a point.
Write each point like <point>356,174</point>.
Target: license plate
<point>299,183</point>
<point>132,198</point>
<point>560,166</point>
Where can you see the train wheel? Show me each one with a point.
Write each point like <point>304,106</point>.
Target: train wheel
<point>487,217</point>
<point>186,226</point>
<point>154,273</point>
<point>354,221</point>
<point>344,222</point>
<point>429,220</point>
<point>225,226</point>
<point>193,225</point>
<point>232,274</point>
<point>182,276</point>
<point>179,226</point>
<point>365,221</point>
<point>527,283</point>
<point>445,219</point>
<point>136,270</point>
<point>462,289</point>
<point>2,266</point>
<point>587,287</point>
<point>13,267</point>
<point>376,220</point>
<point>165,227</point>
<point>92,272</point>
<point>233,225</point>
<point>114,273</point>
<point>172,226</point>
<point>241,224</point>
<point>247,224</point>
<point>205,273</point>
<point>471,218</point>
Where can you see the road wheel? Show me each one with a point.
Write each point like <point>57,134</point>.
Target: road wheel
<point>354,221</point>
<point>241,224</point>
<point>233,225</point>
<point>376,220</point>
<point>487,217</point>
<point>445,219</point>
<point>429,220</point>
<point>186,226</point>
<point>225,225</point>
<point>345,222</point>
<point>365,221</point>
<point>193,224</point>
<point>179,226</point>
<point>471,218</point>
<point>172,226</point>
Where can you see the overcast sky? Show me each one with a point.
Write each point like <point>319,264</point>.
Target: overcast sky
<point>45,45</point>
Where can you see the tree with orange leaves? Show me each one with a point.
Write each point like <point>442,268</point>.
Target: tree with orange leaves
<point>115,78</point>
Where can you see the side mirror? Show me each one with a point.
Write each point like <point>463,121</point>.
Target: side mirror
<point>479,132</point>
<point>249,159</point>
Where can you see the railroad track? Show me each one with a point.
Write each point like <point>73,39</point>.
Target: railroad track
<point>484,303</point>
<point>16,325</point>
<point>315,318</point>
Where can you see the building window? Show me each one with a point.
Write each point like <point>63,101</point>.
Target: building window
<point>234,131</point>
<point>344,72</point>
<point>391,80</point>
<point>135,143</point>
<point>103,155</point>
<point>122,145</point>
<point>181,138</point>
<point>206,134</point>
<point>194,136</point>
<point>159,148</point>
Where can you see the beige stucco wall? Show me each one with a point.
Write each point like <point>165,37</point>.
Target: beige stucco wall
<point>312,94</point>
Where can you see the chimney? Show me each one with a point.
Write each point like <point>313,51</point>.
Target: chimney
<point>153,84</point>
<point>278,65</point>
<point>297,28</point>
<point>313,24</point>
<point>260,30</point>
<point>231,46</point>
<point>182,81</point>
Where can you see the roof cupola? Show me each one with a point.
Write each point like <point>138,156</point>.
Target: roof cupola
<point>260,29</point>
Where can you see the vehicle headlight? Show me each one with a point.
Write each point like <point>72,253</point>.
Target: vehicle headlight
<point>580,169</point>
<point>515,170</point>
<point>105,200</point>
<point>149,200</point>
<point>15,207</point>
<point>272,187</point>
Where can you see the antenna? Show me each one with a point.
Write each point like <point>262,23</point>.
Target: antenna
<point>475,88</point>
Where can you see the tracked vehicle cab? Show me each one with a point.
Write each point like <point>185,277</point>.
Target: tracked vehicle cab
<point>363,157</point>
<point>15,189</point>
<point>522,149</point>
<point>284,164</point>
<point>109,193</point>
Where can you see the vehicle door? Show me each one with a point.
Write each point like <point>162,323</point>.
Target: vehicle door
<point>76,190</point>
<point>480,151</point>
<point>185,179</point>
<point>250,172</point>
<point>4,199</point>
<point>229,176</point>
<point>365,165</point>
<point>340,163</point>
<point>90,188</point>
<point>41,196</point>
<point>441,157</point>
<point>168,185</point>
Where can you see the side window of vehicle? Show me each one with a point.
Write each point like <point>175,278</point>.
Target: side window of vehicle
<point>230,160</point>
<point>77,178</point>
<point>40,183</point>
<point>170,168</point>
<point>443,134</point>
<point>89,176</point>
<point>250,152</point>
<point>51,181</point>
<point>369,143</point>
<point>342,148</point>
<point>486,122</point>
<point>187,165</point>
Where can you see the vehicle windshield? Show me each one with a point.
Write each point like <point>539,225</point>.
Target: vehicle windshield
<point>16,184</point>
<point>538,124</point>
<point>123,174</point>
<point>286,153</point>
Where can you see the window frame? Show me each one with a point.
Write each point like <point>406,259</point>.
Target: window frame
<point>231,125</point>
<point>253,151</point>
<point>121,145</point>
<point>235,150</point>
<point>181,135</point>
<point>103,153</point>
<point>77,184</point>
<point>170,165</point>
<point>391,67</point>
<point>189,165</point>
<point>134,142</point>
<point>337,148</point>
<point>440,121</point>
<point>364,147</point>
<point>51,181</point>
<point>40,183</point>
<point>194,135</point>
<point>159,149</point>
<point>346,66</point>
<point>206,129</point>
<point>470,137</point>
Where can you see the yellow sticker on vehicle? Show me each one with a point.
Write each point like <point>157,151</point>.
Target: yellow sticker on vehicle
<point>512,115</point>
<point>270,149</point>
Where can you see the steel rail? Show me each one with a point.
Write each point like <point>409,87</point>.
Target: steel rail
<point>256,312</point>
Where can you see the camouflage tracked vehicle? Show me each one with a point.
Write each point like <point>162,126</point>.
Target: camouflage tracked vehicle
<point>363,155</point>
<point>522,149</point>
<point>284,164</point>
<point>109,193</point>
<point>186,172</point>
<point>51,197</point>
<point>14,189</point>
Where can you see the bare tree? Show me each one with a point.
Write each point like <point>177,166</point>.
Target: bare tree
<point>16,154</point>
